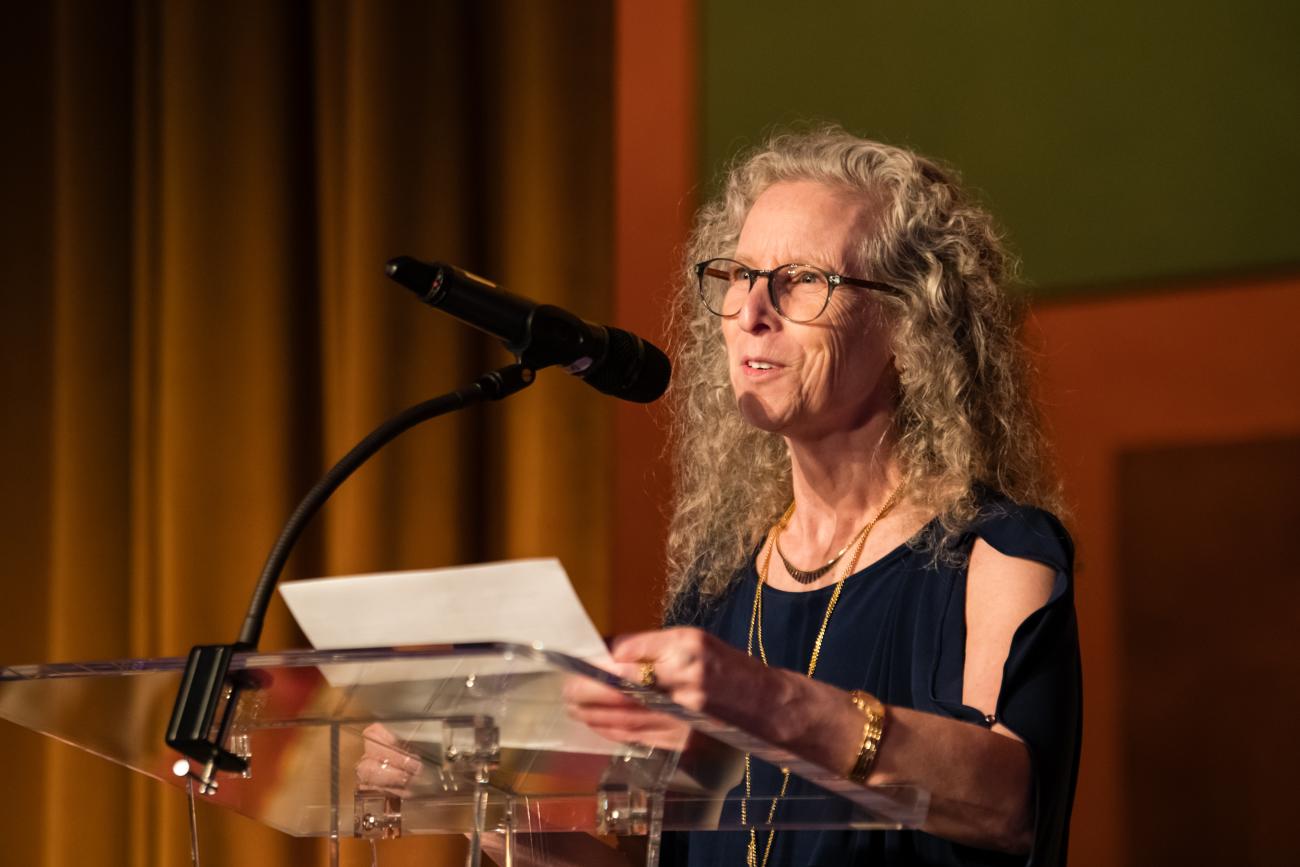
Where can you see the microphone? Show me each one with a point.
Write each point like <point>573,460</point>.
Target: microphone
<point>609,359</point>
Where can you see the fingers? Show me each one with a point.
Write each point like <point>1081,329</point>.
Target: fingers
<point>383,766</point>
<point>687,665</point>
<point>695,670</point>
<point>651,645</point>
<point>386,776</point>
<point>634,719</point>
<point>617,716</point>
<point>581,691</point>
<point>635,725</point>
<point>672,660</point>
<point>680,648</point>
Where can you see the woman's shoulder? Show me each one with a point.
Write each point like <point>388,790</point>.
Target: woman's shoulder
<point>1019,530</point>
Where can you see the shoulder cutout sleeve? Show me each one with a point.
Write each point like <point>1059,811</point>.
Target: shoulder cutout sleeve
<point>1041,694</point>
<point>1041,698</point>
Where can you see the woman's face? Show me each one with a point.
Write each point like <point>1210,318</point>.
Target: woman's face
<point>814,379</point>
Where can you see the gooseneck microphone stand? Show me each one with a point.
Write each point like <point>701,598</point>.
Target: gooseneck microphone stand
<point>209,694</point>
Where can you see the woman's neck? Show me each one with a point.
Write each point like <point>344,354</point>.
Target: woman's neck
<point>840,480</point>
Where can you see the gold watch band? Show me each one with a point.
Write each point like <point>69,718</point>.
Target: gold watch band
<point>873,729</point>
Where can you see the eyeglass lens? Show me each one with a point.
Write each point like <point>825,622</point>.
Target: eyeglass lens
<point>799,292</point>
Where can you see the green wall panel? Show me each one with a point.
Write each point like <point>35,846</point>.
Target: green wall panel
<point>1116,141</point>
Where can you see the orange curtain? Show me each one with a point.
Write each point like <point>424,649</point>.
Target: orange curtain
<point>198,201</point>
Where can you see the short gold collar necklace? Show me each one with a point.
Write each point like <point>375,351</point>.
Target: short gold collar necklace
<point>811,575</point>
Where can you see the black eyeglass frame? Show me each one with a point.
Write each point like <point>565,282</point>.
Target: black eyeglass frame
<point>833,282</point>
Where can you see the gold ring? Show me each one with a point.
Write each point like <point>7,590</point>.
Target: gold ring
<point>648,678</point>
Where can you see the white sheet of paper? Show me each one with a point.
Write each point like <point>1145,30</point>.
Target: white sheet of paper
<point>522,601</point>
<point>529,602</point>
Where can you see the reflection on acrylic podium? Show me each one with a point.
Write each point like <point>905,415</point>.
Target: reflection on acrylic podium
<point>482,728</point>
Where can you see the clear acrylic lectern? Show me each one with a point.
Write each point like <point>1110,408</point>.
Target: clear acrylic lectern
<point>482,727</point>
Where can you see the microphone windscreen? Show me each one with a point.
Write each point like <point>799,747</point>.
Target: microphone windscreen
<point>632,369</point>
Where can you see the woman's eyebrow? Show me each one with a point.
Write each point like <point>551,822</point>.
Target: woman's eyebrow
<point>815,261</point>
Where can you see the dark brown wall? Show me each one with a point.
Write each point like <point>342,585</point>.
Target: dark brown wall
<point>1209,632</point>
<point>1212,365</point>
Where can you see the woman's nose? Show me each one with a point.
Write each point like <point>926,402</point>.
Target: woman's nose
<point>757,313</point>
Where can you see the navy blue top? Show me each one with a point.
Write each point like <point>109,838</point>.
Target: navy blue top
<point>899,632</point>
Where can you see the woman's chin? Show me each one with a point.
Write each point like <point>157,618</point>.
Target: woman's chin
<point>765,415</point>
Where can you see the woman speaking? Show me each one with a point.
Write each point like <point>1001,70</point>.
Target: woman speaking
<point>863,566</point>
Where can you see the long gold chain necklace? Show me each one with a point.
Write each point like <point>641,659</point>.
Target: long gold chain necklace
<point>756,628</point>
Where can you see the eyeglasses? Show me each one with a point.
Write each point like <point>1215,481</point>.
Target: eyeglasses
<point>799,293</point>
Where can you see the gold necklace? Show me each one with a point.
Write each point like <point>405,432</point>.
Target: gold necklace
<point>756,627</point>
<point>810,575</point>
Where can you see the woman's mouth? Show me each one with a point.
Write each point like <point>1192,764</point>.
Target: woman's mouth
<point>759,367</point>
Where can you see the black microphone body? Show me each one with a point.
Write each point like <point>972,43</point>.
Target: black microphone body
<point>611,360</point>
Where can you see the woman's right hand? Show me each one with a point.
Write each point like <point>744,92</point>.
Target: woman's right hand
<point>384,765</point>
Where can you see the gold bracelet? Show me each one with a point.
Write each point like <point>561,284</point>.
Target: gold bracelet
<point>872,731</point>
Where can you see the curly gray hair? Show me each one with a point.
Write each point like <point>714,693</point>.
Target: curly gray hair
<point>964,419</point>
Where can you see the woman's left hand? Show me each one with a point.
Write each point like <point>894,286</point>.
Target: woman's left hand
<point>694,669</point>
